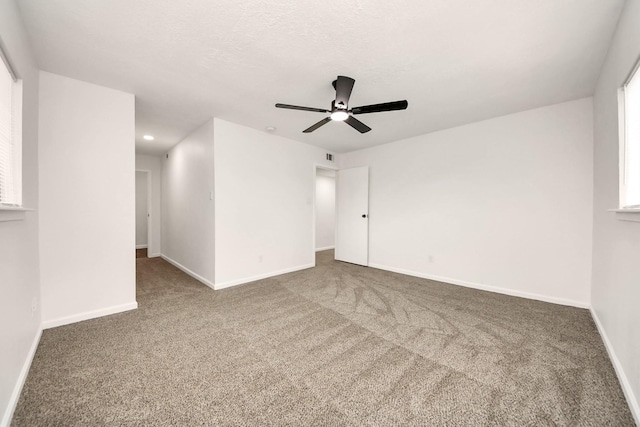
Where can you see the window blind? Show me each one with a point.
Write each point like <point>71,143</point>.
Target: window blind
<point>10,140</point>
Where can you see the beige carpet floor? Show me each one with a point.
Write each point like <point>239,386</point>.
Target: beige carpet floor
<point>335,345</point>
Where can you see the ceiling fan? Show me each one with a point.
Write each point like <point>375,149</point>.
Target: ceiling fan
<point>340,107</point>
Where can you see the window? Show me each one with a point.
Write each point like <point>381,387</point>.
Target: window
<point>630,142</point>
<point>10,135</point>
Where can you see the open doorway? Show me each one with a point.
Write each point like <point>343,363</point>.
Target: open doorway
<point>143,192</point>
<point>324,209</point>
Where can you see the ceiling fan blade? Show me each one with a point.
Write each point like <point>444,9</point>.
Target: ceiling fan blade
<point>296,107</point>
<point>344,86</point>
<point>376,108</point>
<point>357,124</point>
<point>317,125</point>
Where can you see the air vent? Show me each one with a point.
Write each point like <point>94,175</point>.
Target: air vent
<point>330,157</point>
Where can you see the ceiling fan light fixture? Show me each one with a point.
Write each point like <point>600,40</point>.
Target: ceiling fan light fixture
<point>339,115</point>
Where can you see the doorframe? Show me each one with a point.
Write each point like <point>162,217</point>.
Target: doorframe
<point>316,166</point>
<point>149,218</point>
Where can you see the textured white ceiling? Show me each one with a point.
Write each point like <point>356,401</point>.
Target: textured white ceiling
<point>455,61</point>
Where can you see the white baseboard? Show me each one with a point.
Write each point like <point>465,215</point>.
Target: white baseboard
<point>17,389</point>
<point>326,248</point>
<point>505,291</point>
<point>141,246</point>
<point>88,315</point>
<point>634,406</point>
<point>189,272</point>
<point>154,255</point>
<point>230,283</point>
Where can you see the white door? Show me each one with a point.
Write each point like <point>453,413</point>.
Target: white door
<point>352,215</point>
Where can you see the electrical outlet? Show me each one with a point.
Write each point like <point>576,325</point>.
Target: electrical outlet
<point>430,258</point>
<point>259,258</point>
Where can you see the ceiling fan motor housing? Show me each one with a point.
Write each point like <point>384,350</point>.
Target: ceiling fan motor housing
<point>338,106</point>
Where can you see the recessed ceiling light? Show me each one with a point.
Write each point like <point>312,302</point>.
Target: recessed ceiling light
<point>148,137</point>
<point>270,128</point>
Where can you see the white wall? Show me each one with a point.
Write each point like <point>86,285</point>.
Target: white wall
<point>188,206</point>
<point>325,209</point>
<point>615,293</point>
<point>141,209</point>
<point>153,165</point>
<point>264,203</point>
<point>503,204</point>
<point>87,200</point>
<point>19,260</point>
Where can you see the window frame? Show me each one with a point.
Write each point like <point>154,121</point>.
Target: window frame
<point>624,142</point>
<point>15,118</point>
